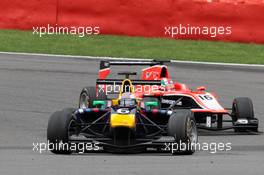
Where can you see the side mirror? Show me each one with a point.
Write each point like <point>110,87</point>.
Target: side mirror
<point>148,104</point>
<point>201,88</point>
<point>99,103</point>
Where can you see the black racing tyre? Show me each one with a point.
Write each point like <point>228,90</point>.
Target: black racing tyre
<point>152,99</point>
<point>242,108</point>
<point>182,127</point>
<point>88,95</point>
<point>57,132</point>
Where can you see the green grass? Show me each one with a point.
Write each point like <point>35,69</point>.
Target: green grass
<point>134,47</point>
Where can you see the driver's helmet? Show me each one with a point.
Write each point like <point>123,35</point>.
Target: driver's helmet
<point>167,83</point>
<point>127,100</point>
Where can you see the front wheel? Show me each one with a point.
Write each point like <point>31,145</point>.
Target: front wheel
<point>182,127</point>
<point>242,109</point>
<point>58,131</point>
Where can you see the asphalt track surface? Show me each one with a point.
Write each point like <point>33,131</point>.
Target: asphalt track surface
<point>32,87</point>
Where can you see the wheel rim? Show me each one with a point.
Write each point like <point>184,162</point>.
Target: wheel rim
<point>234,112</point>
<point>192,133</point>
<point>72,128</point>
<point>84,101</point>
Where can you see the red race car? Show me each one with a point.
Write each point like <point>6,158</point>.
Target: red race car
<point>209,113</point>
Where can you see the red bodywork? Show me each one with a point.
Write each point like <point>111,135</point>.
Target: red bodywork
<point>207,102</point>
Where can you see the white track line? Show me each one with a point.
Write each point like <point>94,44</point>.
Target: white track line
<point>75,56</point>
<point>218,64</point>
<point>135,59</point>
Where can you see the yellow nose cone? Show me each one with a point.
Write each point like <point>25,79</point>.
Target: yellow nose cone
<point>123,120</point>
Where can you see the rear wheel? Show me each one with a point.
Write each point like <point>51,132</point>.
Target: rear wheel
<point>88,95</point>
<point>58,131</point>
<point>182,127</point>
<point>242,109</point>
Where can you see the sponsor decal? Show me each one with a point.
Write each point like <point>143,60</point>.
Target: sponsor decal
<point>122,111</point>
<point>170,102</point>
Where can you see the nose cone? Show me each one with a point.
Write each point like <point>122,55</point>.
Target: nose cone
<point>123,120</point>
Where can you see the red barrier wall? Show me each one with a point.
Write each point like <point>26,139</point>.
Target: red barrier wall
<point>23,14</point>
<point>139,17</point>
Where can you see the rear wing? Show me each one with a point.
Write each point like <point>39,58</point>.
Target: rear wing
<point>134,82</point>
<point>107,64</point>
<point>120,86</point>
<point>105,67</point>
